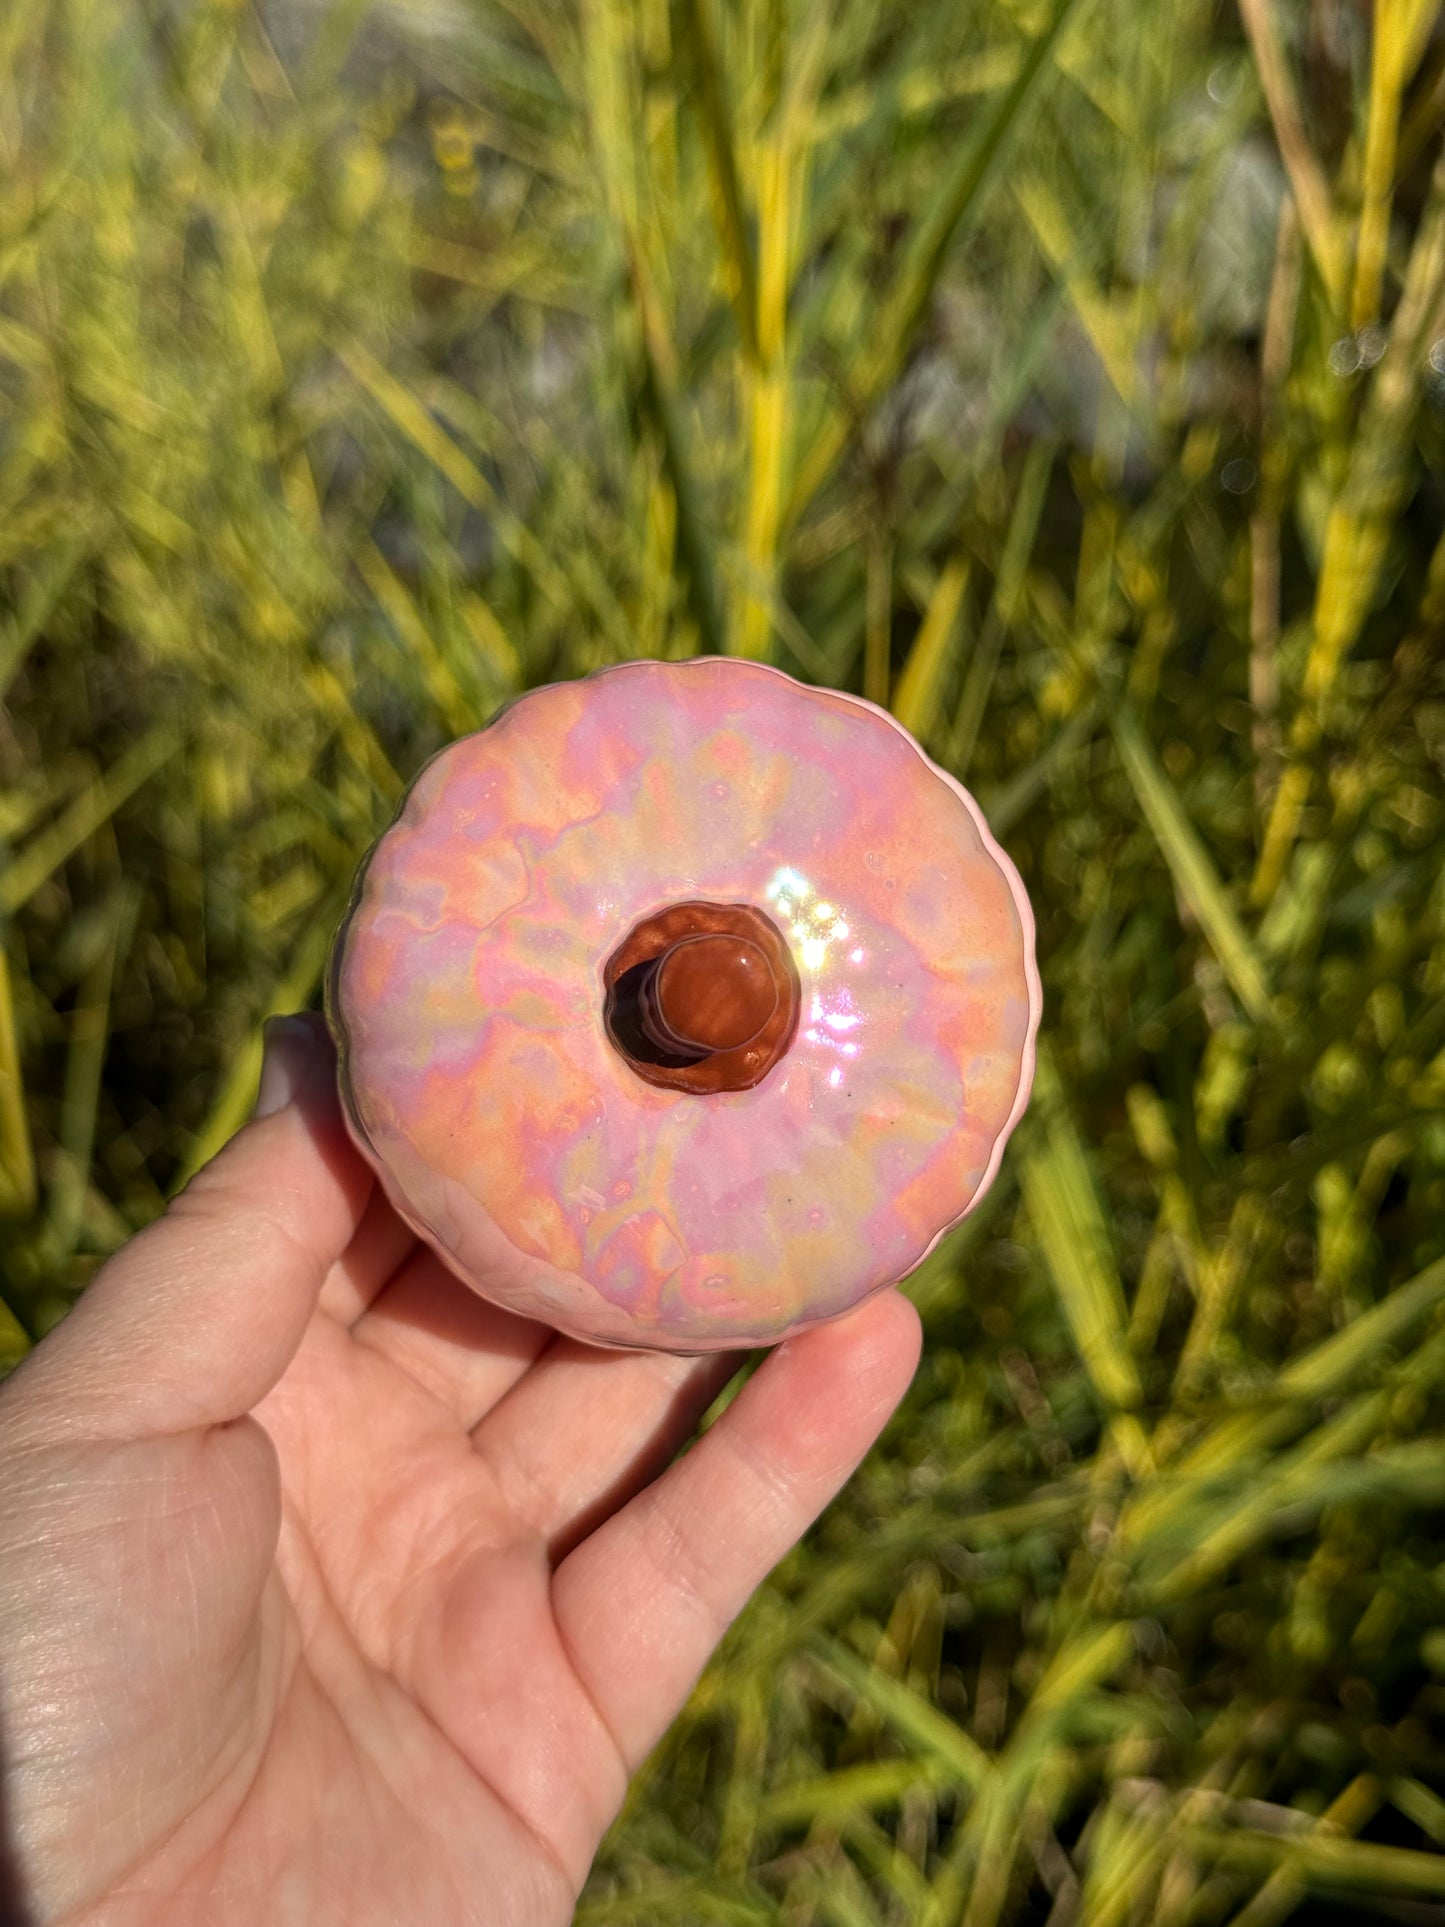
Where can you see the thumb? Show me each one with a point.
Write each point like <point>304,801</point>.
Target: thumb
<point>194,1320</point>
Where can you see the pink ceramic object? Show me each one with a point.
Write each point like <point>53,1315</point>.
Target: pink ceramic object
<point>569,1151</point>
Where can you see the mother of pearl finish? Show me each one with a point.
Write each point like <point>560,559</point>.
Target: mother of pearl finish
<point>466,996</point>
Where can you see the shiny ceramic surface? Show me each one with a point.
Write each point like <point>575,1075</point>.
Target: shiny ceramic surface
<point>478,1075</point>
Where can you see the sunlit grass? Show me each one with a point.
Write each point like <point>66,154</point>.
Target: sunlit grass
<point>1069,376</point>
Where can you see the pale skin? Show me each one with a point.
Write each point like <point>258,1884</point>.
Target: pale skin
<point>330,1593</point>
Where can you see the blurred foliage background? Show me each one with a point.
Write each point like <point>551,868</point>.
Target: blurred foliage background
<point>1070,377</point>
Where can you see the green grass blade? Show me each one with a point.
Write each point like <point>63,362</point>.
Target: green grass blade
<point>659,363</point>
<point>89,1033</point>
<point>237,1095</point>
<point>1069,1222</point>
<point>946,218</point>
<point>918,699</point>
<point>17,1159</point>
<point>43,855</point>
<point>722,149</point>
<point>19,632</point>
<point>1005,607</point>
<point>1318,1861</point>
<point>1195,876</point>
<point>14,1340</point>
<point>921,1725</point>
<point>834,1797</point>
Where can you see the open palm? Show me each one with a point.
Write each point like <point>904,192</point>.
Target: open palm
<point>331,1592</point>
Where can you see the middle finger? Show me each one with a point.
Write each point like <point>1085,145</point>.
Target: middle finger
<point>585,1429</point>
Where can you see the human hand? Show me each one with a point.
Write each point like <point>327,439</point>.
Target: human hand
<point>330,1592</point>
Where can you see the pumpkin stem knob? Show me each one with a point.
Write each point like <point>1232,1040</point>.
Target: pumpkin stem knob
<point>702,997</point>
<point>707,994</point>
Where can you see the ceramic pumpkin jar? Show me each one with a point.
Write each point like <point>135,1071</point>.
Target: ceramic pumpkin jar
<point>685,1005</point>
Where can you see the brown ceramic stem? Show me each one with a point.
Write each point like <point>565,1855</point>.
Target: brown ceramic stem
<point>702,997</point>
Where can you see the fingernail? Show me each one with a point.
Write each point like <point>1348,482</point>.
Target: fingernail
<point>289,1060</point>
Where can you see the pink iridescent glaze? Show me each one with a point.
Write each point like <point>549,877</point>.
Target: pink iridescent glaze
<point>466,996</point>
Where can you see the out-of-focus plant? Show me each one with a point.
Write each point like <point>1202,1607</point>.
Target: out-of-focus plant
<point>1070,377</point>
